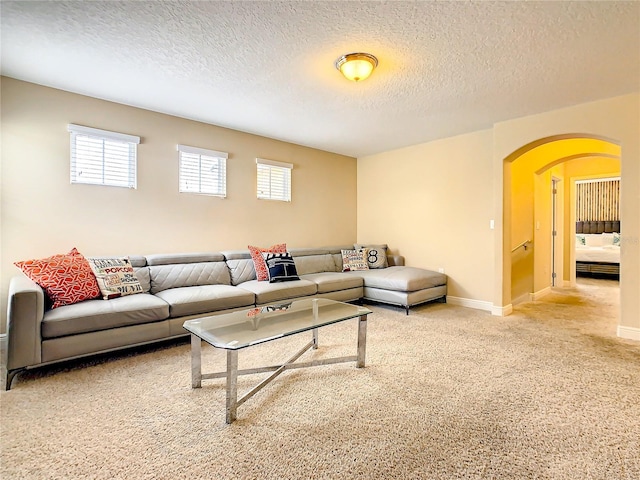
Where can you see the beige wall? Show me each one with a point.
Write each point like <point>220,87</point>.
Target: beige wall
<point>435,200</point>
<point>43,214</point>
<point>433,203</point>
<point>430,202</point>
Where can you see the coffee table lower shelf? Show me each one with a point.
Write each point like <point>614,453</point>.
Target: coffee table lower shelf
<point>232,372</point>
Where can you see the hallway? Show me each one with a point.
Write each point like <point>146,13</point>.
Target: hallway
<point>591,308</point>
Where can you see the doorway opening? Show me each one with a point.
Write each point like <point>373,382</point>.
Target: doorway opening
<point>539,210</point>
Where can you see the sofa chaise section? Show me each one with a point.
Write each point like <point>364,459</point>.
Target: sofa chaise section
<point>402,286</point>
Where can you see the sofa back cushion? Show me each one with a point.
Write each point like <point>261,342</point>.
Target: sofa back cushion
<point>241,270</point>
<point>187,270</point>
<point>241,266</point>
<point>139,264</point>
<point>314,263</point>
<point>143,277</point>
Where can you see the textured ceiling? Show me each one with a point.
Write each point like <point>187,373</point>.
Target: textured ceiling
<point>446,68</point>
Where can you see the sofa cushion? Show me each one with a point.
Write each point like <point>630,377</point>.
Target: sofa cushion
<point>137,261</point>
<point>178,275</point>
<point>333,281</point>
<point>172,258</point>
<point>402,279</point>
<point>241,270</point>
<point>93,315</point>
<point>272,292</point>
<point>66,278</point>
<point>139,264</point>
<point>143,277</point>
<point>205,298</point>
<point>315,263</point>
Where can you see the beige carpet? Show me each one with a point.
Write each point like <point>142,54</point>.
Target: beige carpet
<point>448,392</point>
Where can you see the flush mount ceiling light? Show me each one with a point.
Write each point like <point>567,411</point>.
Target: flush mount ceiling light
<point>356,66</point>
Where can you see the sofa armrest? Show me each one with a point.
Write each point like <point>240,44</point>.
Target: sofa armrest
<point>24,317</point>
<point>395,260</point>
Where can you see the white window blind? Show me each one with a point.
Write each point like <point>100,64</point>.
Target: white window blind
<point>100,157</point>
<point>274,180</point>
<point>203,171</point>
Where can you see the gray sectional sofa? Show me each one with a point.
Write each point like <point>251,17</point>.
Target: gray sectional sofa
<point>178,287</point>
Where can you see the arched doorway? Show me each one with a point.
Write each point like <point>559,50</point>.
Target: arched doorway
<point>529,174</point>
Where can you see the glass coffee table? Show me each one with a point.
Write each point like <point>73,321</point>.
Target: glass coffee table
<point>242,329</point>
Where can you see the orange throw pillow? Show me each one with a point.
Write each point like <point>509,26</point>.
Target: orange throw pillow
<point>66,279</point>
<point>259,264</point>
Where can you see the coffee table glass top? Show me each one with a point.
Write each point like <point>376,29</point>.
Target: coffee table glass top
<point>236,330</point>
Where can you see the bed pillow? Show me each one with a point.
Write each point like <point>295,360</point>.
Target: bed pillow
<point>281,267</point>
<point>353,260</point>
<point>594,239</point>
<point>65,278</point>
<point>258,262</point>
<point>580,240</point>
<point>115,277</point>
<point>607,239</point>
<point>616,239</point>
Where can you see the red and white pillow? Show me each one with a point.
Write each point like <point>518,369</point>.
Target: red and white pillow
<point>259,264</point>
<point>66,278</point>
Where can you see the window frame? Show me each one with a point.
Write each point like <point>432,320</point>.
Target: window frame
<point>221,181</point>
<point>273,166</point>
<point>96,135</point>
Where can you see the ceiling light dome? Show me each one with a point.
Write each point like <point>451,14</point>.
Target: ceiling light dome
<point>356,66</point>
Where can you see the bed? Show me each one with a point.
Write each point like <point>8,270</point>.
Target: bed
<point>598,248</point>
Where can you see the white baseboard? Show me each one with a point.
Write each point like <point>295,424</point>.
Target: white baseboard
<point>525,297</point>
<point>539,294</point>
<point>502,311</point>
<point>568,284</point>
<point>630,333</point>
<point>468,302</point>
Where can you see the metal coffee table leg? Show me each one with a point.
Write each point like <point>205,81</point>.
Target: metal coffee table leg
<point>232,385</point>
<point>196,362</point>
<point>362,341</point>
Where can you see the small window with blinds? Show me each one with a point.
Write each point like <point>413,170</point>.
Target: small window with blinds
<point>203,171</point>
<point>274,180</point>
<point>100,157</point>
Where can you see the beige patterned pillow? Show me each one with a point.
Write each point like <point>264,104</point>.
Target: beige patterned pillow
<point>354,260</point>
<point>115,277</point>
<point>376,255</point>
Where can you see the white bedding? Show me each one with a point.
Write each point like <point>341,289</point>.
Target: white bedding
<point>605,253</point>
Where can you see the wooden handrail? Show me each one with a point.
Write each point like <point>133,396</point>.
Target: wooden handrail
<point>524,245</point>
